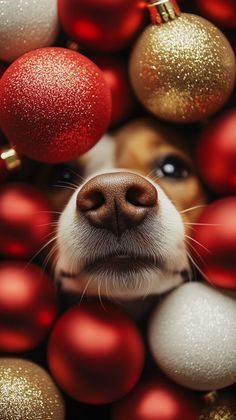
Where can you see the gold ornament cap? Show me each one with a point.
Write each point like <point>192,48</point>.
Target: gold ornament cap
<point>10,158</point>
<point>163,11</point>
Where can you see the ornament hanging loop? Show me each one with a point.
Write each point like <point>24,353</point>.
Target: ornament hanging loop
<point>163,11</point>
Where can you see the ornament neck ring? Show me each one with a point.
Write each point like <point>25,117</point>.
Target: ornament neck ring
<point>163,11</point>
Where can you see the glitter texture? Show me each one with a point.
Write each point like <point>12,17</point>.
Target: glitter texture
<point>192,336</point>
<point>55,104</point>
<point>27,392</point>
<point>26,25</point>
<point>184,70</point>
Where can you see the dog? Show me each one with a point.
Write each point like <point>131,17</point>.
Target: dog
<point>123,231</point>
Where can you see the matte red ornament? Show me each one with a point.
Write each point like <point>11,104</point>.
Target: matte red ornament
<point>25,220</point>
<point>27,306</point>
<point>122,97</point>
<point>215,242</point>
<point>102,25</point>
<point>55,104</point>
<point>156,399</point>
<point>96,355</point>
<point>216,154</point>
<point>222,12</point>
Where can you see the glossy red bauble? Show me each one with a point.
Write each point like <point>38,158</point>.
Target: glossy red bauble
<point>222,12</point>
<point>156,399</point>
<point>27,306</point>
<point>216,154</point>
<point>55,104</point>
<point>215,242</point>
<point>96,355</point>
<point>115,71</point>
<point>25,220</point>
<point>102,25</point>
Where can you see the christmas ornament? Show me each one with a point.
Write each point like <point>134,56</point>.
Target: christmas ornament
<point>215,242</point>
<point>101,25</point>
<point>27,392</point>
<point>182,70</point>
<point>9,162</point>
<point>222,12</point>
<point>27,306</point>
<point>55,104</point>
<point>2,69</point>
<point>156,399</point>
<point>223,407</point>
<point>192,336</point>
<point>219,142</point>
<point>116,75</point>
<point>26,26</point>
<point>25,220</point>
<point>95,354</point>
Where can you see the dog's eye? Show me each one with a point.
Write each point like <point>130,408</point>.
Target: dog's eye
<point>65,174</point>
<point>173,167</point>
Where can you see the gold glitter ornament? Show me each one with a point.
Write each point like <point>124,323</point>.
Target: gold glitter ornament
<point>27,392</point>
<point>182,70</point>
<point>222,408</point>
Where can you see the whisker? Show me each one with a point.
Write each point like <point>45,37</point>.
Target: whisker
<point>198,243</point>
<point>193,208</point>
<point>40,250</point>
<point>202,224</point>
<point>65,187</point>
<point>85,290</point>
<point>200,271</point>
<point>196,252</point>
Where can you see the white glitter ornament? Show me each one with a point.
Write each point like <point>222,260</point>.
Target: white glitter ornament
<point>192,336</point>
<point>26,25</point>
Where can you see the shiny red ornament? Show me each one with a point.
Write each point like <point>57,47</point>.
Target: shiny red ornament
<point>55,104</point>
<point>102,25</point>
<point>222,12</point>
<point>216,154</point>
<point>96,354</point>
<point>27,306</point>
<point>122,98</point>
<point>156,399</point>
<point>25,220</point>
<point>215,242</point>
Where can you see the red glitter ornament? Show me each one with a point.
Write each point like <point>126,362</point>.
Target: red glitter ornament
<point>216,154</point>
<point>27,306</point>
<point>157,399</point>
<point>222,12</point>
<point>116,74</point>
<point>96,355</point>
<point>215,242</point>
<point>55,104</point>
<point>25,220</point>
<point>102,25</point>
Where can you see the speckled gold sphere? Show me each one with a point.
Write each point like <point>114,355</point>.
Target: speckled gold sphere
<point>183,70</point>
<point>27,392</point>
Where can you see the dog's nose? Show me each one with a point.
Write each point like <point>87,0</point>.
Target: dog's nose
<point>117,201</point>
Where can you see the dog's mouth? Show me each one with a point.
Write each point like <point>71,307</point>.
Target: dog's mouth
<point>118,264</point>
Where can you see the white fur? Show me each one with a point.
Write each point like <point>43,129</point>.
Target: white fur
<point>160,236</point>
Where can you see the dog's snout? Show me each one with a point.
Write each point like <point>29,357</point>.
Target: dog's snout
<point>117,201</point>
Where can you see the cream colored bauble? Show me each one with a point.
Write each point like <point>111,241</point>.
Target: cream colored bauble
<point>192,336</point>
<point>26,25</point>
